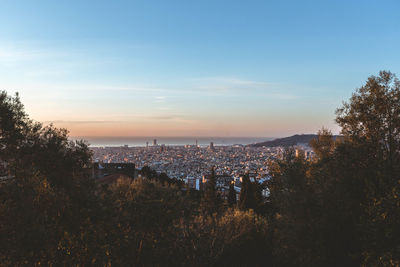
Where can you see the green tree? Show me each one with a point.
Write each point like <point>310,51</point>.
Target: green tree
<point>236,238</point>
<point>293,206</point>
<point>142,224</point>
<point>247,195</point>
<point>370,122</point>
<point>250,195</point>
<point>342,208</point>
<point>323,145</point>
<point>232,196</point>
<point>46,203</point>
<point>210,202</point>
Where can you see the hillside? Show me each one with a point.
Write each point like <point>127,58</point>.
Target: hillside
<point>288,141</point>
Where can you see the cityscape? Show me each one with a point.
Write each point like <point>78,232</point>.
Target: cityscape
<point>191,163</point>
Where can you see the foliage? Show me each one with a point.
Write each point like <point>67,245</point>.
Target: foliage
<point>147,172</point>
<point>250,195</point>
<point>47,199</point>
<point>342,209</point>
<point>371,122</point>
<point>232,201</point>
<point>211,201</point>
<point>141,222</point>
<point>236,238</point>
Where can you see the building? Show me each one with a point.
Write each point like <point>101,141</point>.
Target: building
<point>163,148</point>
<point>211,147</point>
<point>193,183</point>
<point>111,172</point>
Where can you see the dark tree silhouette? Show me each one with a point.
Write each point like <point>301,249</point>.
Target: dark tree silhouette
<point>210,203</point>
<point>232,196</point>
<point>247,195</point>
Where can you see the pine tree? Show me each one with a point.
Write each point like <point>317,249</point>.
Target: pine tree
<point>247,200</point>
<point>232,196</point>
<point>210,201</point>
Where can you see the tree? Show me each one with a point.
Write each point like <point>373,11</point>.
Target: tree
<point>291,201</point>
<point>232,196</point>
<point>370,122</point>
<point>343,208</point>
<point>211,201</point>
<point>373,115</point>
<point>46,203</point>
<point>247,194</point>
<point>13,123</point>
<point>323,145</point>
<point>235,238</point>
<point>148,173</point>
<point>141,227</point>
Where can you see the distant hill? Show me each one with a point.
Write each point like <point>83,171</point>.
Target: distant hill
<point>289,141</point>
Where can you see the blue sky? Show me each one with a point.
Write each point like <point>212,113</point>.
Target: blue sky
<point>203,68</point>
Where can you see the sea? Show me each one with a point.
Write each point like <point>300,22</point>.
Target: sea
<point>134,141</point>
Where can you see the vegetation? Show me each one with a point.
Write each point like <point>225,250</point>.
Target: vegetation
<point>232,200</point>
<point>211,202</point>
<point>341,208</point>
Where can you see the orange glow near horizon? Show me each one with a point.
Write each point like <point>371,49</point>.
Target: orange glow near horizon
<point>200,128</point>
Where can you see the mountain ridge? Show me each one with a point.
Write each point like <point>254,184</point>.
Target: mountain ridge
<point>289,141</point>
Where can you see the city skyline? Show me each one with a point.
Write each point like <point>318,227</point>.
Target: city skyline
<point>220,68</point>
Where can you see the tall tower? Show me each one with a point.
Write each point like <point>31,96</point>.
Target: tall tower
<point>154,142</point>
<point>211,146</point>
<point>162,148</point>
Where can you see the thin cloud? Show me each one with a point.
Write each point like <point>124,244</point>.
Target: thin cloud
<point>129,119</point>
<point>13,53</point>
<point>46,73</point>
<point>82,87</point>
<point>232,86</point>
<point>228,84</point>
<point>159,99</point>
<point>284,96</point>
<point>79,122</point>
<point>8,54</point>
<point>160,117</point>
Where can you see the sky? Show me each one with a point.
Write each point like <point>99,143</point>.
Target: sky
<point>193,68</point>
